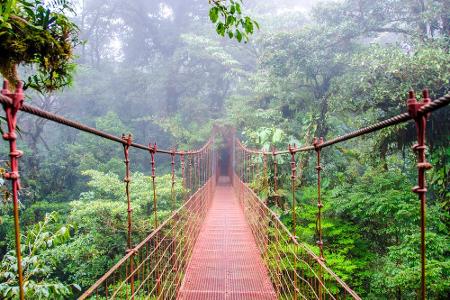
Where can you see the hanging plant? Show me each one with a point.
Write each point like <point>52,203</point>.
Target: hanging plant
<point>37,33</point>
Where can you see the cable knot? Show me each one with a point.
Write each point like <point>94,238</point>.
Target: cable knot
<point>17,97</point>
<point>417,147</point>
<point>425,165</point>
<point>128,139</point>
<point>292,150</point>
<point>16,154</point>
<point>11,175</point>
<point>317,143</point>
<point>419,190</point>
<point>274,153</point>
<point>10,136</point>
<point>152,148</point>
<point>132,251</point>
<point>415,106</point>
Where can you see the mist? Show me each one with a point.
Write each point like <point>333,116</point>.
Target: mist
<point>171,73</point>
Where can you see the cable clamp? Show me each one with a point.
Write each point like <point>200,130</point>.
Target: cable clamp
<point>11,175</point>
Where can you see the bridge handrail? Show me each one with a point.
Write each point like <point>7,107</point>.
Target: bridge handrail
<point>204,157</point>
<point>296,242</point>
<point>419,111</point>
<point>89,292</point>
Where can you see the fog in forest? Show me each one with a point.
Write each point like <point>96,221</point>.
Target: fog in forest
<point>170,71</point>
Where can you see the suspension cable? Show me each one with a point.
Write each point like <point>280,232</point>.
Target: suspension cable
<point>398,119</point>
<point>5,100</point>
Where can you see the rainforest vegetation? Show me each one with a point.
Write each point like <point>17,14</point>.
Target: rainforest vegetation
<point>280,72</point>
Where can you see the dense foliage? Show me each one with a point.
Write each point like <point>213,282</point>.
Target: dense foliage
<point>40,34</point>
<point>158,69</point>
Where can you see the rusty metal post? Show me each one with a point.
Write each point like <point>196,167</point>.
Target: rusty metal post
<point>266,177</point>
<point>249,169</point>
<point>183,178</point>
<point>275,178</point>
<point>172,190</point>
<point>195,172</point>
<point>243,166</point>
<point>13,175</point>
<point>422,166</point>
<point>198,171</point>
<point>277,235</point>
<point>266,214</point>
<point>175,220</point>
<point>153,149</point>
<point>191,185</point>
<point>294,215</point>
<point>317,143</point>
<point>126,146</point>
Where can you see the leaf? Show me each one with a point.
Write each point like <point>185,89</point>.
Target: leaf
<point>238,35</point>
<point>238,7</point>
<point>256,24</point>
<point>214,14</point>
<point>220,29</point>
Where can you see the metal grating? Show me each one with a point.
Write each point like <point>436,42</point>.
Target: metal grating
<point>226,263</point>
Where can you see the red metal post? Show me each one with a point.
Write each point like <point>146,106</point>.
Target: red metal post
<point>126,146</point>
<point>265,214</point>
<point>275,178</point>
<point>317,143</point>
<point>173,181</point>
<point>422,166</point>
<point>249,168</point>
<point>244,165</point>
<point>153,149</point>
<point>292,150</point>
<point>196,177</point>
<point>183,182</point>
<point>127,180</point>
<point>13,175</point>
<point>190,175</point>
<point>266,177</point>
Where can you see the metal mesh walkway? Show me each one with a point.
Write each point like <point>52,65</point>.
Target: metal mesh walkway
<point>226,263</point>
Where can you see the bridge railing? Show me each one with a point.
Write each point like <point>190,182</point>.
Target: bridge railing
<point>295,270</point>
<point>155,266</point>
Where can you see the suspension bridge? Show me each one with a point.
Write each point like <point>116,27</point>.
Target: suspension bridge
<point>223,241</point>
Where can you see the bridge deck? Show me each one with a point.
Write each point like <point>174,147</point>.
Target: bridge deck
<point>226,263</point>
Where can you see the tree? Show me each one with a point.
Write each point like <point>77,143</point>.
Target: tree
<point>37,33</point>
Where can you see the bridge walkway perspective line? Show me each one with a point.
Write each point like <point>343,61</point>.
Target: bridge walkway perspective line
<point>226,263</point>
